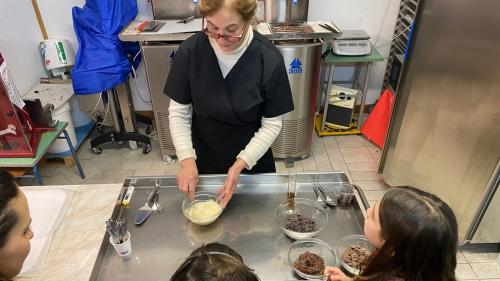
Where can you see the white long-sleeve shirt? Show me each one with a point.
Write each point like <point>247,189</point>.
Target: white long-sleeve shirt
<point>180,115</point>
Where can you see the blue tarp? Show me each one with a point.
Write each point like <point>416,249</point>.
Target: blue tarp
<point>102,60</point>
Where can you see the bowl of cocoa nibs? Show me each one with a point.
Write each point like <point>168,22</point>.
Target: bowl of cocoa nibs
<point>301,218</point>
<point>353,252</point>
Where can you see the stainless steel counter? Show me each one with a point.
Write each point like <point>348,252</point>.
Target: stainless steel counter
<point>247,225</point>
<point>164,33</point>
<point>129,34</point>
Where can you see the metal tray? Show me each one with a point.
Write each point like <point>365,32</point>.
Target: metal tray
<point>247,225</point>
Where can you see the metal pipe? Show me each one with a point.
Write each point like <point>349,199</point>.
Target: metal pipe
<point>288,17</point>
<point>114,110</point>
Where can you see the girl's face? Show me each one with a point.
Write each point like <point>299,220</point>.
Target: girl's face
<point>373,229</point>
<point>17,248</point>
<point>226,21</point>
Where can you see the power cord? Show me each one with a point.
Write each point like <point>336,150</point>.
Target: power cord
<point>134,76</point>
<point>396,36</point>
<point>383,23</point>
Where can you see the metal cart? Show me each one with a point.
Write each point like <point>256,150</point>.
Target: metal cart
<point>329,63</point>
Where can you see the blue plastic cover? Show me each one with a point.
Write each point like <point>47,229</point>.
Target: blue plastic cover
<point>102,60</point>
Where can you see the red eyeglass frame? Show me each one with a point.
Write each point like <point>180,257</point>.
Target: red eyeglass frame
<point>229,38</point>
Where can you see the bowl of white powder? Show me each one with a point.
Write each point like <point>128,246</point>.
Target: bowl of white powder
<point>203,210</point>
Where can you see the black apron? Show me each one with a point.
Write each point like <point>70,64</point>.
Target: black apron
<point>217,146</point>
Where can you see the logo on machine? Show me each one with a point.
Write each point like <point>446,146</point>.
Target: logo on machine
<point>172,57</point>
<point>295,67</point>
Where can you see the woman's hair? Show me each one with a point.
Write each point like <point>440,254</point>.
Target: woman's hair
<point>421,237</point>
<point>214,262</point>
<point>246,8</point>
<point>8,217</point>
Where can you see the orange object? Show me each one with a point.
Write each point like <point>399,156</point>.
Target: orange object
<point>375,127</point>
<point>140,27</point>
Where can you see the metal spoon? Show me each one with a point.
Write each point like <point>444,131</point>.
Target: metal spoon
<point>328,200</point>
<point>319,196</point>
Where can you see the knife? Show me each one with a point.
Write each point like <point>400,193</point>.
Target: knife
<point>186,20</point>
<point>330,27</point>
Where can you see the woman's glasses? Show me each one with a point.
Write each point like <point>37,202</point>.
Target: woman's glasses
<point>216,35</point>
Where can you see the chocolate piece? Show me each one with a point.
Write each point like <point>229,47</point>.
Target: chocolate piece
<point>355,256</point>
<point>298,223</point>
<point>285,28</point>
<point>310,264</point>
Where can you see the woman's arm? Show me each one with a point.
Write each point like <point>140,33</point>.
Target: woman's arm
<point>180,116</point>
<point>261,141</point>
<point>255,149</point>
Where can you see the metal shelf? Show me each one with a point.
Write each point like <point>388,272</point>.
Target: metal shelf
<point>407,13</point>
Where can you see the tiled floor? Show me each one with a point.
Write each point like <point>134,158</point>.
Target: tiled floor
<point>354,155</point>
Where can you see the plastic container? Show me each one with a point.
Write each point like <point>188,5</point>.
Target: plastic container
<point>79,117</point>
<point>123,249</point>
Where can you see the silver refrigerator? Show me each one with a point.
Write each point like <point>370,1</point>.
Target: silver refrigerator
<point>444,135</point>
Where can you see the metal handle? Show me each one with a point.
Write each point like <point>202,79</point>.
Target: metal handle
<point>365,202</point>
<point>319,197</point>
<point>153,193</point>
<point>329,201</point>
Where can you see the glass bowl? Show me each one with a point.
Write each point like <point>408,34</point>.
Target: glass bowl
<point>315,246</point>
<point>187,204</point>
<point>306,208</point>
<point>352,240</point>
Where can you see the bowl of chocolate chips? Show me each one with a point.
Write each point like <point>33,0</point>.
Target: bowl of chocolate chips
<point>353,252</point>
<point>309,257</point>
<point>301,218</point>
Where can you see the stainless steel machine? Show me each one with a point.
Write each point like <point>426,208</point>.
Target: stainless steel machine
<point>158,57</point>
<point>175,9</point>
<point>159,54</point>
<point>302,59</point>
<point>444,135</point>
<point>286,10</point>
<point>300,43</point>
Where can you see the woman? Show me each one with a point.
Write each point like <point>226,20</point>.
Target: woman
<point>15,231</point>
<point>229,89</point>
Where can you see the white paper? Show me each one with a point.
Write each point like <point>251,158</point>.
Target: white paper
<point>14,95</point>
<point>47,208</point>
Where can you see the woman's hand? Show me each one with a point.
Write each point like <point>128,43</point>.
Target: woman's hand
<point>335,274</point>
<point>187,178</point>
<point>226,191</point>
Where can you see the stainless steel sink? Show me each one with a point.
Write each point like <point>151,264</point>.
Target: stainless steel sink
<point>247,225</point>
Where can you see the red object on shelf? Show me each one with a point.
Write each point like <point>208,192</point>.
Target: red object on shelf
<point>375,127</point>
<point>140,26</point>
<point>18,136</point>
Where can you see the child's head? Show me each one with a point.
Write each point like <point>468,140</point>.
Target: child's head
<point>15,232</point>
<point>215,262</point>
<point>416,236</point>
